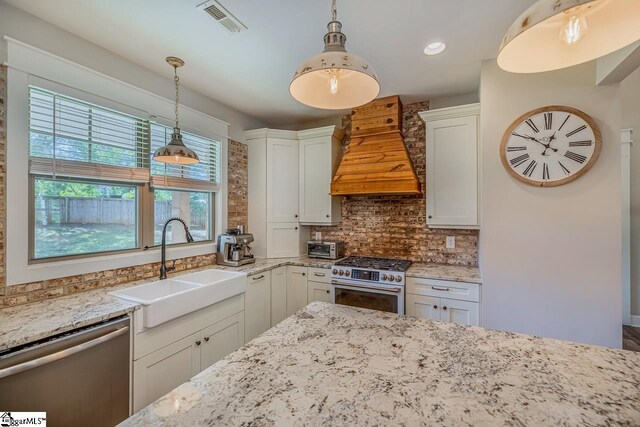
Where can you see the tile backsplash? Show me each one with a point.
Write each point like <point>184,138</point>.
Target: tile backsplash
<point>395,226</point>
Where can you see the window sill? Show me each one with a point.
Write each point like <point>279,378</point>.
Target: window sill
<point>72,267</point>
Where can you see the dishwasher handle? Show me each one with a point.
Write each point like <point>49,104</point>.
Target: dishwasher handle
<point>31,364</point>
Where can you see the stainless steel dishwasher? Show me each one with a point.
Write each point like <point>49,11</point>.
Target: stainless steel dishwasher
<point>80,378</point>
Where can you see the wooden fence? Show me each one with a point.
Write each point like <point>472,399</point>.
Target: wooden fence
<point>83,210</point>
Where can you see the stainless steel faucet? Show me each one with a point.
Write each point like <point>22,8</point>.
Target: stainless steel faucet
<point>163,249</point>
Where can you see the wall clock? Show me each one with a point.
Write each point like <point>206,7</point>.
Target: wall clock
<point>550,146</point>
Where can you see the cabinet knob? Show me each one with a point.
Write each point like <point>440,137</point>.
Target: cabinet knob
<point>327,215</point>
<point>296,216</point>
<point>444,308</point>
<point>304,274</point>
<point>328,291</point>
<point>435,307</point>
<point>296,228</point>
<point>198,342</point>
<point>430,216</point>
<point>206,339</point>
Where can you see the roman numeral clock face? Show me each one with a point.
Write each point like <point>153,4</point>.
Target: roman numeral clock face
<point>550,146</point>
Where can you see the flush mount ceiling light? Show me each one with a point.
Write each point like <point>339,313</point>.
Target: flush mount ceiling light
<point>334,79</point>
<point>434,48</point>
<point>175,152</point>
<point>555,34</point>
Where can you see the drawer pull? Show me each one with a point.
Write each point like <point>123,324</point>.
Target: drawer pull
<point>435,307</point>
<point>319,274</point>
<point>440,289</point>
<point>206,339</point>
<point>198,342</point>
<point>444,308</point>
<point>259,277</point>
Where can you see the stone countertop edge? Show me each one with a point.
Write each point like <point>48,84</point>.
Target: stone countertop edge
<point>35,321</point>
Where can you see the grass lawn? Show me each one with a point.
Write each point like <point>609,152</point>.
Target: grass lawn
<point>71,239</point>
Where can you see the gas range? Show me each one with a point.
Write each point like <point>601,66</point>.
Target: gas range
<point>371,270</point>
<point>374,283</point>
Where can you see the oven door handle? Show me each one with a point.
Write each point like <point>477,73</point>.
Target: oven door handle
<point>352,286</point>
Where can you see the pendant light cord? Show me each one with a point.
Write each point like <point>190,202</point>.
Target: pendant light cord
<point>334,11</point>
<point>176,80</point>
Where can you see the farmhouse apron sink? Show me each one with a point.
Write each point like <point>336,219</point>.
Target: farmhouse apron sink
<point>168,299</point>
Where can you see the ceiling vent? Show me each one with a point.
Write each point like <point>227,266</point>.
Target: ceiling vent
<point>223,16</point>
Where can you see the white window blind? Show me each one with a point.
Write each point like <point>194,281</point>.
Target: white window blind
<point>203,176</point>
<point>69,137</point>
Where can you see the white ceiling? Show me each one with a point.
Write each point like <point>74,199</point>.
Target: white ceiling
<point>251,71</point>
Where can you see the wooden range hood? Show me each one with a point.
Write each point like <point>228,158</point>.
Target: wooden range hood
<point>377,160</point>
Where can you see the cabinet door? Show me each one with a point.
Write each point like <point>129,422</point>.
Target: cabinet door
<point>423,307</point>
<point>221,339</point>
<point>257,299</point>
<point>278,295</point>
<point>462,312</point>
<point>282,180</point>
<point>315,180</point>
<point>283,239</point>
<point>317,291</point>
<point>163,370</point>
<point>296,289</point>
<point>452,172</point>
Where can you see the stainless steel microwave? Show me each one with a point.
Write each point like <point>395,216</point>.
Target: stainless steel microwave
<point>327,250</point>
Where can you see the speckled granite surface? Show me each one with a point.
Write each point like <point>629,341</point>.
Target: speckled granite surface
<point>456,273</point>
<point>340,366</point>
<point>31,322</point>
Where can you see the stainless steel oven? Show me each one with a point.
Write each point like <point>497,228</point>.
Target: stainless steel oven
<point>382,298</point>
<point>365,282</point>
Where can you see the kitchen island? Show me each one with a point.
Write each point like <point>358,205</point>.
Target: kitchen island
<point>336,365</point>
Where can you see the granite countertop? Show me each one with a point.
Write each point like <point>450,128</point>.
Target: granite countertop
<point>31,322</point>
<point>336,365</point>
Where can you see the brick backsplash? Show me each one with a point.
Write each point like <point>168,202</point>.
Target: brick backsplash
<point>37,291</point>
<point>396,225</point>
<point>237,184</point>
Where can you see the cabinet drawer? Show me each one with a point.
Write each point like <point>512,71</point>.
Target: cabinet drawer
<point>322,275</point>
<point>444,289</point>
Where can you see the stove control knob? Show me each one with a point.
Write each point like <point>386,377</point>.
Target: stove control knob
<point>398,278</point>
<point>347,273</point>
<point>341,272</point>
<point>335,271</point>
<point>384,277</point>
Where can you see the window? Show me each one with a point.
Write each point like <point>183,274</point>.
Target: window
<point>75,217</point>
<point>90,167</point>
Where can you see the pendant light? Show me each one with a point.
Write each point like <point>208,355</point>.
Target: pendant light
<point>335,79</point>
<point>175,152</point>
<point>555,34</point>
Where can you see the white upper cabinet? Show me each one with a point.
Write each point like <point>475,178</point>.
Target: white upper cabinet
<point>273,194</point>
<point>452,136</point>
<point>282,180</point>
<point>319,157</point>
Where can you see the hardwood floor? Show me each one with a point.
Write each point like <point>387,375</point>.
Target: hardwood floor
<point>631,338</point>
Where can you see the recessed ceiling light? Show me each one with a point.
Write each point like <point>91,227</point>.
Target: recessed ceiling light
<point>435,48</point>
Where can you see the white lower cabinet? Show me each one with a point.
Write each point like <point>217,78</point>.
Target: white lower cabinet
<point>172,353</point>
<point>296,289</point>
<point>257,305</point>
<point>319,285</point>
<point>278,295</point>
<point>454,302</point>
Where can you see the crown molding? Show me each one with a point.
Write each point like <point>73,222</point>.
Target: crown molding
<point>450,112</point>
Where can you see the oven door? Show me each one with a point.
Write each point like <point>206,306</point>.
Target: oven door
<point>381,298</point>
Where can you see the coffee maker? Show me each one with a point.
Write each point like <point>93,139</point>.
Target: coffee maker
<point>233,248</point>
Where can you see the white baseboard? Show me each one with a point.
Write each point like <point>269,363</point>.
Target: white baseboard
<point>635,320</point>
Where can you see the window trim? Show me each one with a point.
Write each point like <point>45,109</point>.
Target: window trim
<point>26,64</point>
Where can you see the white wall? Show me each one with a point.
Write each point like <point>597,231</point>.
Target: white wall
<point>551,257</point>
<point>36,32</point>
<point>631,119</point>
